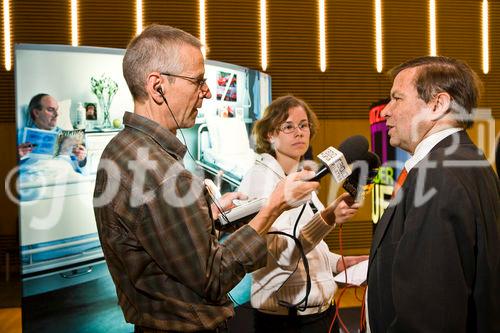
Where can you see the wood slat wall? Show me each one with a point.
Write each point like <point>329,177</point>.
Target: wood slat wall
<point>9,210</point>
<point>178,13</point>
<point>233,32</point>
<point>343,93</point>
<point>350,82</point>
<point>41,22</point>
<point>345,90</point>
<point>491,95</point>
<point>356,238</point>
<point>109,23</point>
<point>32,21</point>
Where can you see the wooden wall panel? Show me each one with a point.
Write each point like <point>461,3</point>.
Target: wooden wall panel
<point>7,98</point>
<point>226,43</point>
<point>459,38</point>
<point>345,90</point>
<point>41,22</point>
<point>491,94</point>
<point>352,82</point>
<point>293,56</point>
<point>356,238</point>
<point>6,82</point>
<point>462,39</point>
<point>109,23</point>
<point>31,22</point>
<point>8,218</point>
<point>405,31</point>
<point>177,13</point>
<point>341,96</point>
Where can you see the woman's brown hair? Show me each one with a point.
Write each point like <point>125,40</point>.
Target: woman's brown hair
<point>276,114</point>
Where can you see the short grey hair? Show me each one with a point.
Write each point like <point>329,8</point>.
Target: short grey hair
<point>156,48</point>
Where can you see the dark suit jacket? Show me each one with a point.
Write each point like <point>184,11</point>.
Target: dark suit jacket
<point>435,257</point>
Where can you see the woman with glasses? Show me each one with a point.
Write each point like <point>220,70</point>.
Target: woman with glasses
<point>294,292</point>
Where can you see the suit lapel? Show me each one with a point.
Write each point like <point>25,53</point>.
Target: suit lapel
<point>380,230</point>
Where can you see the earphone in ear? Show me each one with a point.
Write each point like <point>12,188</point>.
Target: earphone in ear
<point>159,90</point>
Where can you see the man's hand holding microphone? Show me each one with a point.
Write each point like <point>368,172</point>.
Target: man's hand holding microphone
<point>290,192</point>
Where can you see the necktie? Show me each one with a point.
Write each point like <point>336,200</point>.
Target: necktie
<point>399,182</point>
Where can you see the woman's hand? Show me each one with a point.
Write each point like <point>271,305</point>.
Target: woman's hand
<point>349,261</point>
<point>341,210</point>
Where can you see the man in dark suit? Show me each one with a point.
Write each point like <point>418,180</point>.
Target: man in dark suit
<point>435,258</point>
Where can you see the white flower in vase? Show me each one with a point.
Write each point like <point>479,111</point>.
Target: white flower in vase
<point>104,89</point>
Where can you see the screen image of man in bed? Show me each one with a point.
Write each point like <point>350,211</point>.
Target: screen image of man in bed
<point>43,110</point>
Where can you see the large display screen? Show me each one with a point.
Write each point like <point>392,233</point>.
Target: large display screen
<point>57,225</point>
<point>89,97</point>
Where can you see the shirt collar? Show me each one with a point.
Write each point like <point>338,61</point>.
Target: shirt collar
<point>161,135</point>
<point>271,163</point>
<point>425,146</point>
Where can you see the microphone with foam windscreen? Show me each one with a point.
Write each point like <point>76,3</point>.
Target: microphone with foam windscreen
<point>363,172</point>
<point>336,162</point>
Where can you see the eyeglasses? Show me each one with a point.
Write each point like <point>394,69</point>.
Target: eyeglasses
<point>200,83</point>
<point>290,127</point>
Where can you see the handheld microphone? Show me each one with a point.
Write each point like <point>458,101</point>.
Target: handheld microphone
<point>364,170</point>
<point>337,162</point>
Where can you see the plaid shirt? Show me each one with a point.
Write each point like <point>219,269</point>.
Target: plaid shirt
<point>155,228</point>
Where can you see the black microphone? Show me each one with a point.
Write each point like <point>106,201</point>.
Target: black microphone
<point>363,173</point>
<point>337,162</point>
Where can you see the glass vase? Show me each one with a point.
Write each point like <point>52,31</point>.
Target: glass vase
<point>106,122</point>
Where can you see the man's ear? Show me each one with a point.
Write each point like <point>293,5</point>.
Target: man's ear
<point>35,113</point>
<point>441,105</point>
<point>153,82</point>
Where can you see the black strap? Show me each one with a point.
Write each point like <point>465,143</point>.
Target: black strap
<point>306,268</point>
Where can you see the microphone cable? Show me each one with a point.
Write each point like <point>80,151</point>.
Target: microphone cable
<point>218,206</point>
<point>177,124</point>
<point>362,322</point>
<point>303,257</point>
<point>305,262</point>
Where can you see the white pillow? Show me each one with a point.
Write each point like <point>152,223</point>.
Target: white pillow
<point>64,117</point>
<point>228,135</point>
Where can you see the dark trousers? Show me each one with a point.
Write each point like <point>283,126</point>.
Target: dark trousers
<point>315,323</point>
<point>221,329</point>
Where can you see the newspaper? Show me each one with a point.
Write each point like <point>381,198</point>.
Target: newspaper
<point>53,143</point>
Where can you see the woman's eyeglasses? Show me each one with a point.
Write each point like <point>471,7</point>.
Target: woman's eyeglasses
<point>290,127</point>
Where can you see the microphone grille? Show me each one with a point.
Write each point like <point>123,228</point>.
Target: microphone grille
<point>354,148</point>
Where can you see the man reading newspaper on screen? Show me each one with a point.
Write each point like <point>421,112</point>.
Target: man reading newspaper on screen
<point>43,136</point>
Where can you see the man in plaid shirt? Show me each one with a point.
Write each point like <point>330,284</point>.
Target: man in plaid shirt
<point>153,217</point>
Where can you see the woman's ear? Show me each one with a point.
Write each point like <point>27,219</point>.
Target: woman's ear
<point>270,138</point>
